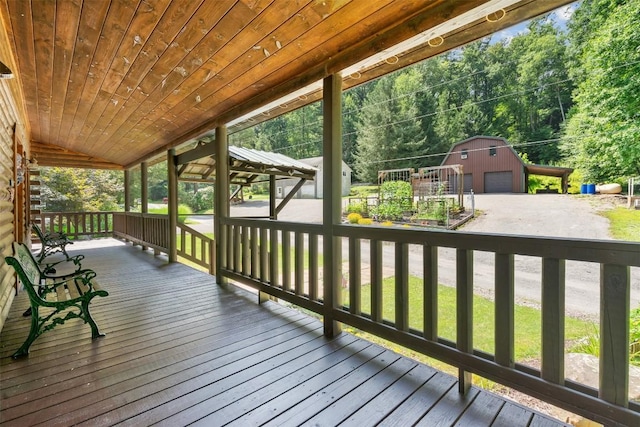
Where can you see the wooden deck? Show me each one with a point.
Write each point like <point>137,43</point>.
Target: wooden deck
<point>180,349</point>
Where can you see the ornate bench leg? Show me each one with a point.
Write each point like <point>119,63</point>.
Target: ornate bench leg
<point>33,334</point>
<point>95,333</point>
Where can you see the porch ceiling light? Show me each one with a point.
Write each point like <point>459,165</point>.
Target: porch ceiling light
<point>5,72</point>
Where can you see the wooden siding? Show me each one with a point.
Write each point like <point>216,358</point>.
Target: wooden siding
<point>181,349</point>
<point>8,121</point>
<point>479,161</point>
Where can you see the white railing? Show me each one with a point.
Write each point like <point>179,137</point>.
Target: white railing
<point>284,260</point>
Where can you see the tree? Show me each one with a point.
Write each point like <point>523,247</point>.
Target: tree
<point>603,131</point>
<point>389,133</point>
<point>74,190</point>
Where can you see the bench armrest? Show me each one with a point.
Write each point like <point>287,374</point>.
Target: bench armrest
<point>85,275</point>
<point>49,269</point>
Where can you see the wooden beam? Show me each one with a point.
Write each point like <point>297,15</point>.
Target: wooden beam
<point>221,210</point>
<point>172,177</point>
<point>332,201</point>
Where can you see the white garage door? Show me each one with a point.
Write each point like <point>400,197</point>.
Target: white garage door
<point>498,182</point>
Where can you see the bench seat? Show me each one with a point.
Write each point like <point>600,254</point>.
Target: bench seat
<point>53,299</point>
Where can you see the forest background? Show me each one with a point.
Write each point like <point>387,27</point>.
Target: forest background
<point>562,92</point>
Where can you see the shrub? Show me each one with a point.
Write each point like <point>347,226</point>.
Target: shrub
<point>365,221</point>
<point>358,207</point>
<point>396,197</point>
<point>354,218</point>
<point>634,335</point>
<point>387,223</point>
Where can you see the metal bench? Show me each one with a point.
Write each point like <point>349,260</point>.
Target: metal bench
<point>61,298</point>
<point>51,243</point>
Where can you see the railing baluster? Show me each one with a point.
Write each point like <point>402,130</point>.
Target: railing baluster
<point>504,310</point>
<point>246,253</point>
<point>355,287</point>
<point>375,262</point>
<point>464,311</point>
<point>274,258</point>
<point>237,237</point>
<point>313,267</point>
<point>286,260</point>
<point>255,253</point>
<point>299,263</point>
<point>615,295</point>
<point>553,298</point>
<point>264,255</point>
<point>402,286</point>
<point>430,292</point>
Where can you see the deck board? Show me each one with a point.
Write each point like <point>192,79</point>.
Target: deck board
<point>181,349</point>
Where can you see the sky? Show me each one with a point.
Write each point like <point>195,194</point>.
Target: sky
<point>560,16</point>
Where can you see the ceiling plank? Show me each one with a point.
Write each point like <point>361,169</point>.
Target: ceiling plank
<point>87,41</point>
<point>67,21</point>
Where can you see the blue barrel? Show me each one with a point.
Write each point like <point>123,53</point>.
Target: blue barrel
<point>583,188</point>
<point>591,189</point>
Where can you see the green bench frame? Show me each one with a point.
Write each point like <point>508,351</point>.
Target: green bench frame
<point>51,243</point>
<point>68,294</point>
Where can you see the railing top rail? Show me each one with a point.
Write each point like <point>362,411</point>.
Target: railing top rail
<point>194,232</point>
<point>600,251</point>
<point>299,227</point>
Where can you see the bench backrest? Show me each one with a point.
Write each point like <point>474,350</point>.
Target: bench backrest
<point>38,231</point>
<point>25,265</point>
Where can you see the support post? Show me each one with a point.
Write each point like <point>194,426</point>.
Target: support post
<point>332,201</point>
<point>144,191</point>
<point>144,187</point>
<point>221,208</point>
<point>127,190</point>
<point>172,175</point>
<point>272,198</point>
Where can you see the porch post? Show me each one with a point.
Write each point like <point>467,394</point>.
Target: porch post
<point>127,190</point>
<point>144,190</point>
<point>332,200</point>
<point>221,208</point>
<point>172,175</point>
<point>272,198</point>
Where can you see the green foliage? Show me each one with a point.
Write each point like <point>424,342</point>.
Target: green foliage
<point>358,207</point>
<point>73,190</point>
<point>183,212</point>
<point>528,320</point>
<point>624,224</point>
<point>634,335</point>
<point>604,127</point>
<point>396,197</point>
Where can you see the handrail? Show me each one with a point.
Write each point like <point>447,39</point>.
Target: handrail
<point>196,247</point>
<point>148,230</point>
<point>76,224</point>
<point>265,254</point>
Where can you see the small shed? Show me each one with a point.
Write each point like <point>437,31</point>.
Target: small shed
<point>491,165</point>
<point>312,189</point>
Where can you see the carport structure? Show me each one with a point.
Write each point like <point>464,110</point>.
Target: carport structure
<point>119,84</point>
<point>246,167</point>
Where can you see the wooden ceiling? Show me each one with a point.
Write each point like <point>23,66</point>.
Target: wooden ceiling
<point>111,83</point>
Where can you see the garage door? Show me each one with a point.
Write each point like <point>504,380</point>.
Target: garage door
<point>468,182</point>
<point>498,182</point>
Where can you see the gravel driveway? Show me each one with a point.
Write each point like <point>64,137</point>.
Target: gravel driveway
<point>552,215</point>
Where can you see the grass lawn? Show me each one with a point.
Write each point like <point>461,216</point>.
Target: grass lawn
<point>624,223</point>
<point>527,321</point>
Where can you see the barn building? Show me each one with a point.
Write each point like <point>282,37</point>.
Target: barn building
<point>491,165</point>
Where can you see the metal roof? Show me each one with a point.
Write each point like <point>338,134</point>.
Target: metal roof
<point>246,166</point>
